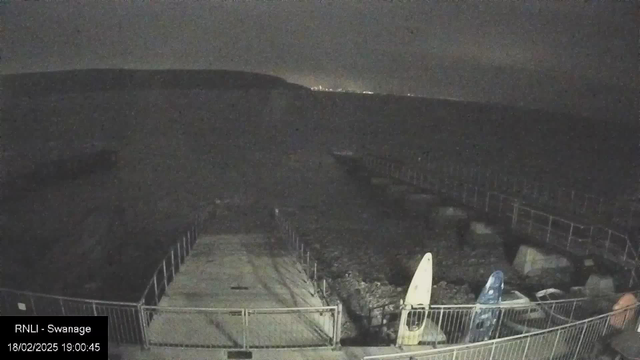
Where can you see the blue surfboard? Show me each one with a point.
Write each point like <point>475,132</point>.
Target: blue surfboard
<point>484,320</point>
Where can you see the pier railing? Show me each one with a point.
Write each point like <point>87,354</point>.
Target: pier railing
<point>310,266</point>
<point>571,341</point>
<point>578,238</point>
<point>448,324</point>
<point>601,209</point>
<point>125,319</point>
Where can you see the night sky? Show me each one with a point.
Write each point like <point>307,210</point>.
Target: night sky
<point>573,56</point>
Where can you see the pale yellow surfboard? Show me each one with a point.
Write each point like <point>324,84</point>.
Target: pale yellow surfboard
<point>414,322</point>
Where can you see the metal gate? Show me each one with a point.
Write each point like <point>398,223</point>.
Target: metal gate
<point>274,328</point>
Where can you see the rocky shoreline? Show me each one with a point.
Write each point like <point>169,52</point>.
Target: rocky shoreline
<point>367,251</point>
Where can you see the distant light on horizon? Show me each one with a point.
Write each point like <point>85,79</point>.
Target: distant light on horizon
<point>320,88</point>
<point>364,92</point>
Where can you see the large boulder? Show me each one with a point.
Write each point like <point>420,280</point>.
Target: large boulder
<point>599,285</point>
<point>444,216</point>
<point>532,261</point>
<point>482,233</point>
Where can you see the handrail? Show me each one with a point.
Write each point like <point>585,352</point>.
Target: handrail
<point>532,303</point>
<point>294,243</point>
<point>505,339</point>
<point>200,214</point>
<point>598,205</point>
<point>28,293</point>
<point>405,173</point>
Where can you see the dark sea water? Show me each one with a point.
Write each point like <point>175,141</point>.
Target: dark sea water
<point>180,149</point>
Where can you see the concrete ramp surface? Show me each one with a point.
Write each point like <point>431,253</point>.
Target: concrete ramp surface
<point>240,291</point>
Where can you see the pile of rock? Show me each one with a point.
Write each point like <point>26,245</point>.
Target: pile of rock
<point>450,294</point>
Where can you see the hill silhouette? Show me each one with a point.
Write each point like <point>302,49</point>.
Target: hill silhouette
<point>90,80</point>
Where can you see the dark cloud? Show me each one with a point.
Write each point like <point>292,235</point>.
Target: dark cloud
<point>423,47</point>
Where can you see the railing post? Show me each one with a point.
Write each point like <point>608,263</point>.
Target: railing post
<point>486,207</point>
<point>514,218</point>
<point>493,349</point>
<point>435,345</point>
<point>143,326</point>
<point>626,249</point>
<point>555,345</point>
<point>573,309</point>
<point>62,307</point>
<point>245,327</point>
<point>580,341</point>
<point>184,248</point>
<point>606,247</point>
<point>155,287</point>
<point>549,228</point>
<point>526,348</point>
<point>324,287</point>
<point>553,307</point>
<point>502,311</point>
<point>570,235</point>
<point>33,305</point>
<point>179,255</point>
<point>164,270</point>
<point>338,327</point>
<point>173,266</point>
<point>95,311</point>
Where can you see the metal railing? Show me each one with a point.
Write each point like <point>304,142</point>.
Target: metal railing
<point>166,271</point>
<point>229,328</point>
<point>125,325</point>
<point>304,327</point>
<point>572,341</point>
<point>578,238</point>
<point>310,266</point>
<point>448,324</point>
<point>303,255</point>
<point>147,324</point>
<point>170,266</point>
<point>620,212</point>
